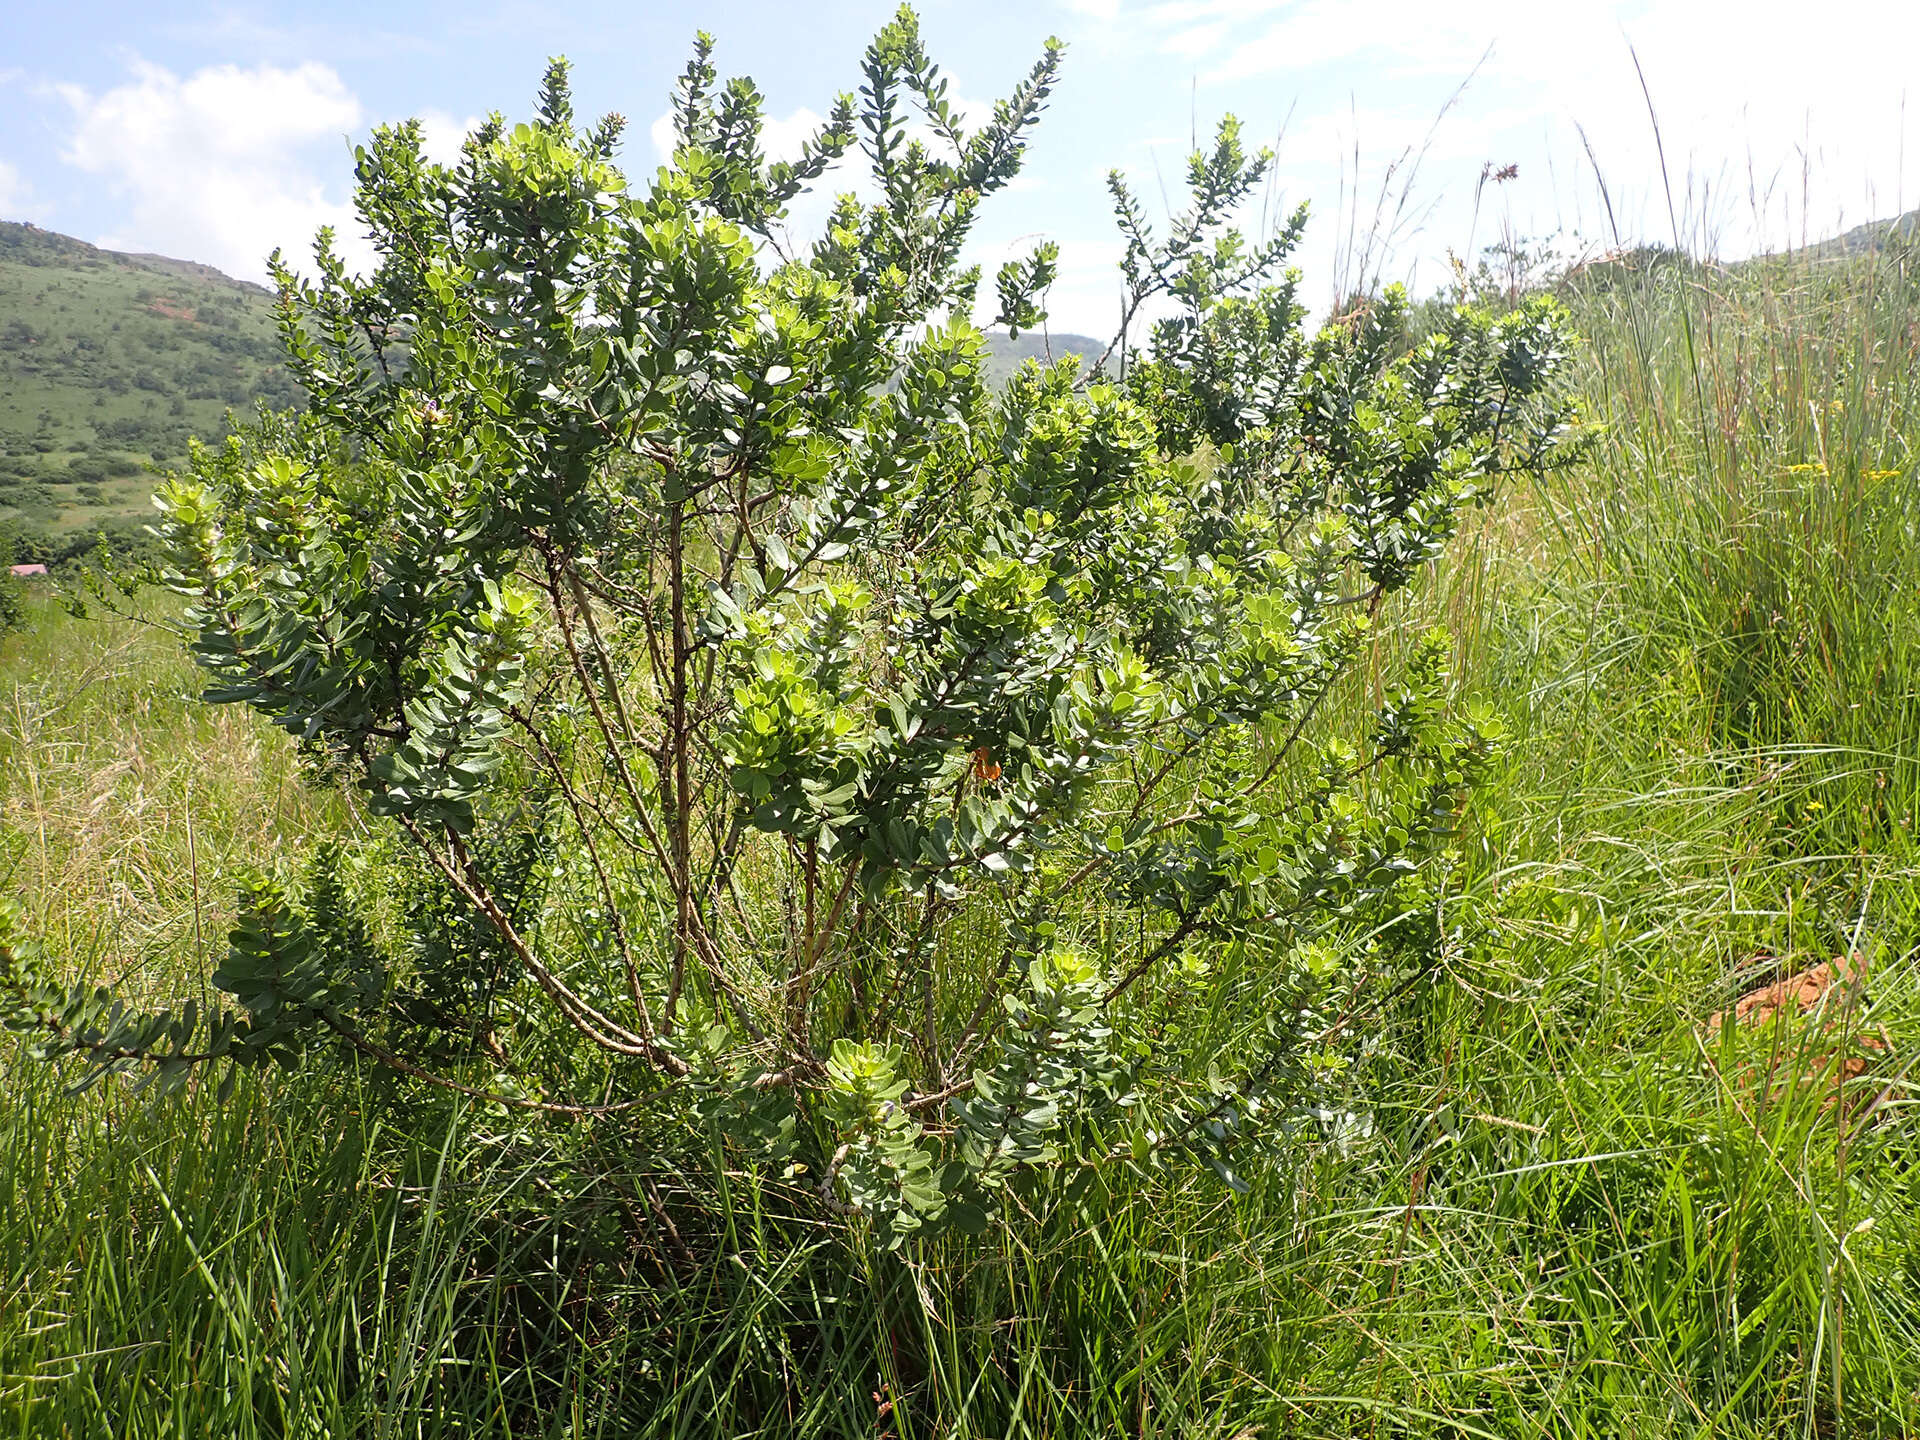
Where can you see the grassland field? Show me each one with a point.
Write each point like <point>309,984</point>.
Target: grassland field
<point>1576,1209</point>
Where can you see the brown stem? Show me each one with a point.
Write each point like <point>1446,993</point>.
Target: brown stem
<point>614,918</point>
<point>680,871</point>
<point>1159,952</point>
<point>464,877</point>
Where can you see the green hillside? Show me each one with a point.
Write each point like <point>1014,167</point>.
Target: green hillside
<point>1007,355</point>
<point>1868,239</point>
<point>108,362</point>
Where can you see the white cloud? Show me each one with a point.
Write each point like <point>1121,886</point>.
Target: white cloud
<point>1195,40</point>
<point>662,132</point>
<point>441,136</point>
<point>1085,298</point>
<point>1772,129</point>
<point>16,196</point>
<point>1410,34</point>
<point>784,136</point>
<point>223,165</point>
<point>781,136</point>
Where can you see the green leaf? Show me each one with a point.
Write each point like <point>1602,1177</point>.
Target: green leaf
<point>967,1219</point>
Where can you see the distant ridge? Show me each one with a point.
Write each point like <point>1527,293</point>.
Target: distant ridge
<point>30,244</point>
<point>1009,355</point>
<point>1866,239</point>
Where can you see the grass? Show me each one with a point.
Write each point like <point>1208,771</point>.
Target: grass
<point>1576,1209</point>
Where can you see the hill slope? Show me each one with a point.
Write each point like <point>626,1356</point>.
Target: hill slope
<point>108,362</point>
<point>1007,355</point>
<point>1867,239</point>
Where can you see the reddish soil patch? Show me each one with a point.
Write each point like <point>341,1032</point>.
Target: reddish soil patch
<point>173,312</point>
<point>1797,994</point>
<point>1830,995</point>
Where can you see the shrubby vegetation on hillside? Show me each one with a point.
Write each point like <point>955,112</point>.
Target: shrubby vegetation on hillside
<point>109,363</point>
<point>13,595</point>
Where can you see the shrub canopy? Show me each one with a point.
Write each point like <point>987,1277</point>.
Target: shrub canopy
<point>771,722</point>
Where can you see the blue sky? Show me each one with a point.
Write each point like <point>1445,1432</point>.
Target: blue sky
<point>215,132</point>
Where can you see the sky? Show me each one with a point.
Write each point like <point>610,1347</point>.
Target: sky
<point>215,133</point>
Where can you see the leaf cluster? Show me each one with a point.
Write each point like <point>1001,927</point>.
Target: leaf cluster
<point>813,658</point>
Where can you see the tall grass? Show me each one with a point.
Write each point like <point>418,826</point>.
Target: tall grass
<point>1577,1211</point>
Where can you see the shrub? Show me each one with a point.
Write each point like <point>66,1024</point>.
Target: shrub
<point>126,430</point>
<point>793,733</point>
